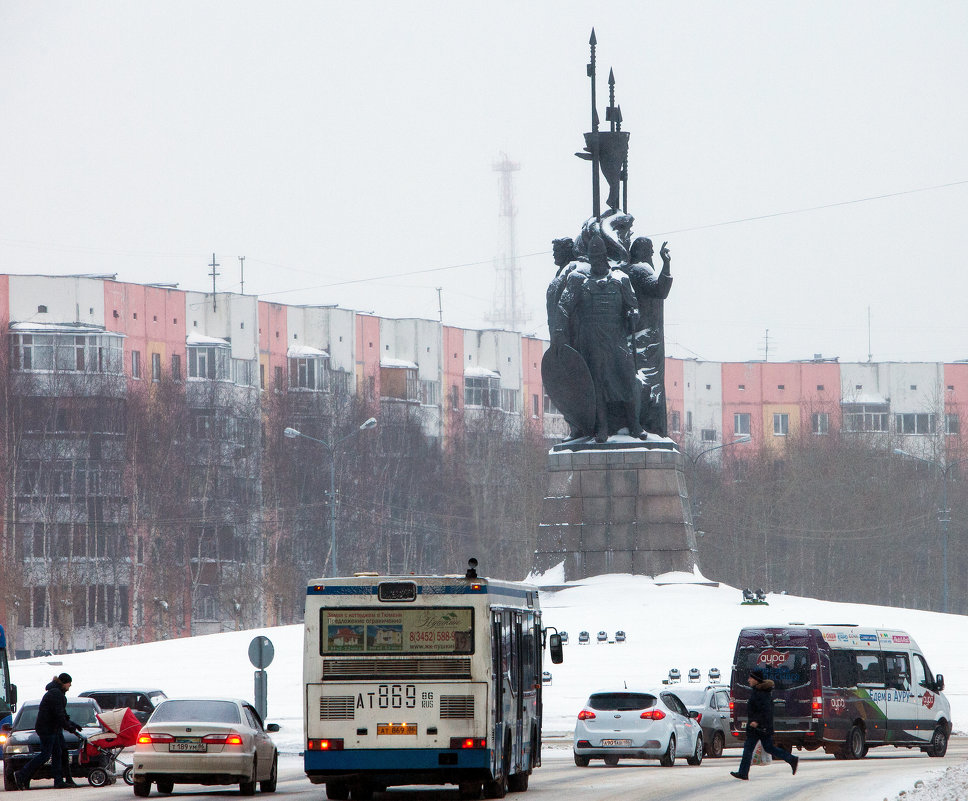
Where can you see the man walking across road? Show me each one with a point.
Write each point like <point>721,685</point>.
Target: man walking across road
<point>52,719</point>
<point>759,726</point>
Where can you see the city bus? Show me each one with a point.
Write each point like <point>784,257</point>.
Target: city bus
<point>423,680</point>
<point>8,691</point>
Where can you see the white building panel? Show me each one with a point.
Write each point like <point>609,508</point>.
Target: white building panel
<point>68,299</point>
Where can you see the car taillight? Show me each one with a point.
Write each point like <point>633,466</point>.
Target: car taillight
<point>468,742</point>
<point>227,738</point>
<point>154,737</point>
<point>816,708</point>
<point>325,745</point>
<point>586,714</point>
<point>732,706</point>
<point>652,714</point>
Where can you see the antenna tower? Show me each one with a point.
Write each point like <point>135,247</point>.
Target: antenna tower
<point>507,308</point>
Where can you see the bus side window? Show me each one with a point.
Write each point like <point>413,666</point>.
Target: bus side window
<point>897,671</point>
<point>843,668</point>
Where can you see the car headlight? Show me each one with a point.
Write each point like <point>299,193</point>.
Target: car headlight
<point>12,749</point>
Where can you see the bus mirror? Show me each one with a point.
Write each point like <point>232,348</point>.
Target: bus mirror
<point>13,697</point>
<point>939,683</point>
<point>554,642</point>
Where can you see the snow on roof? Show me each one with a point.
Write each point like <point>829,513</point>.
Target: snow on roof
<point>866,398</point>
<point>73,328</point>
<point>201,339</point>
<point>306,352</point>
<point>399,363</point>
<point>480,372</point>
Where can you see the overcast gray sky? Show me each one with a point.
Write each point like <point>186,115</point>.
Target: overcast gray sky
<point>344,142</point>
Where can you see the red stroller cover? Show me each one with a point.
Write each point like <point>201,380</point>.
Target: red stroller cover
<point>121,729</point>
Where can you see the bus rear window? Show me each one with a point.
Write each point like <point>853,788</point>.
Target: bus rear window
<point>420,630</point>
<point>785,667</point>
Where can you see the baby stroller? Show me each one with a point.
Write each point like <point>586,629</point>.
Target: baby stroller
<point>121,729</point>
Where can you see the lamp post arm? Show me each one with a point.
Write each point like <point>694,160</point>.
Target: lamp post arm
<point>695,459</point>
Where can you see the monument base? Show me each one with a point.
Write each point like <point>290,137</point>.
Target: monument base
<point>619,507</point>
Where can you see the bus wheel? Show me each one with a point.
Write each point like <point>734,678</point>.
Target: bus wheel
<point>337,791</point>
<point>854,746</point>
<point>939,743</point>
<point>469,791</point>
<point>362,792</point>
<point>498,786</point>
<point>518,782</point>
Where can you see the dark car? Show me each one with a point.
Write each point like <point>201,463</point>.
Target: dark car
<point>23,742</point>
<point>141,701</point>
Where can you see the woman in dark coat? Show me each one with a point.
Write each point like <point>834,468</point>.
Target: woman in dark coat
<point>759,726</point>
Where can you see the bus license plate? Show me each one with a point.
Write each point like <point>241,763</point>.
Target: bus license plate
<point>396,728</point>
<point>616,742</point>
<point>188,746</point>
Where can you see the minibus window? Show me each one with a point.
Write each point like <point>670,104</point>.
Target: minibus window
<point>843,668</point>
<point>897,671</point>
<point>785,667</point>
<point>869,670</point>
<point>922,673</point>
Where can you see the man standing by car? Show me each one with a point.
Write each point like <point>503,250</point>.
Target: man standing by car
<point>52,719</point>
<point>759,726</point>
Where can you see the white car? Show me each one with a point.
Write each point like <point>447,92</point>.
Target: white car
<point>205,741</point>
<point>637,724</point>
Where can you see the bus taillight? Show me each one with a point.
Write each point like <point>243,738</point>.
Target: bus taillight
<point>325,745</point>
<point>468,742</point>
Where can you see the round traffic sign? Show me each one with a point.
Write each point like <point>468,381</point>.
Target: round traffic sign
<point>261,652</point>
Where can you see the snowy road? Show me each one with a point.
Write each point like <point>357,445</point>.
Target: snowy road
<point>883,774</point>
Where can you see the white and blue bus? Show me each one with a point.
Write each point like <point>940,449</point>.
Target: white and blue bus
<point>8,691</point>
<point>423,680</point>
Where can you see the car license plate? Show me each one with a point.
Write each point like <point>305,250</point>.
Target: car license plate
<point>616,742</point>
<point>396,728</point>
<point>188,745</point>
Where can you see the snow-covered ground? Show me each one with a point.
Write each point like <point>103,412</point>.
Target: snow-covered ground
<point>669,622</point>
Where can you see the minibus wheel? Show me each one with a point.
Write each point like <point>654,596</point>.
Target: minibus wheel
<point>855,747</point>
<point>939,743</point>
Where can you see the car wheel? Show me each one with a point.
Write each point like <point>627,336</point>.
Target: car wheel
<point>668,759</point>
<point>582,761</point>
<point>854,746</point>
<point>165,785</point>
<point>611,761</point>
<point>939,743</point>
<point>128,775</point>
<point>248,787</point>
<point>715,749</point>
<point>269,785</point>
<point>696,758</point>
<point>141,787</point>
<point>337,791</point>
<point>9,784</point>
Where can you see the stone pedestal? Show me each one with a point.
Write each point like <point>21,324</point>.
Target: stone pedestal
<point>616,510</point>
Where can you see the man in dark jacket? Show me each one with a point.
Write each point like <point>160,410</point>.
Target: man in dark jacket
<point>759,726</point>
<point>52,720</point>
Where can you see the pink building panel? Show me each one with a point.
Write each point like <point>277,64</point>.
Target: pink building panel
<point>125,311</point>
<point>5,298</point>
<point>532,350</point>
<point>675,395</point>
<point>273,342</point>
<point>742,394</point>
<point>368,356</point>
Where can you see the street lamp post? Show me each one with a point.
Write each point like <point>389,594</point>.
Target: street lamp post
<point>944,515</point>
<point>293,433</point>
<point>695,459</point>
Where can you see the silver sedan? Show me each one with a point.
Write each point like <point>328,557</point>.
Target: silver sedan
<point>205,741</point>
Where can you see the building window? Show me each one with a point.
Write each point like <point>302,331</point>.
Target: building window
<point>675,421</point>
<point>482,391</point>
<point>262,376</point>
<point>819,387</point>
<point>278,378</point>
<point>914,423</point>
<point>307,373</point>
<point>741,424</point>
<point>136,364</point>
<point>708,435</point>
<point>209,361</point>
<point>820,423</point>
<point>156,367</point>
<point>549,406</point>
<point>535,406</point>
<point>62,352</point>
<point>781,424</point>
<point>454,397</point>
<point>860,417</point>
<point>429,393</point>
<point>952,424</point>
<point>400,383</point>
<point>176,373</point>
<point>509,400</point>
<point>689,422</point>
